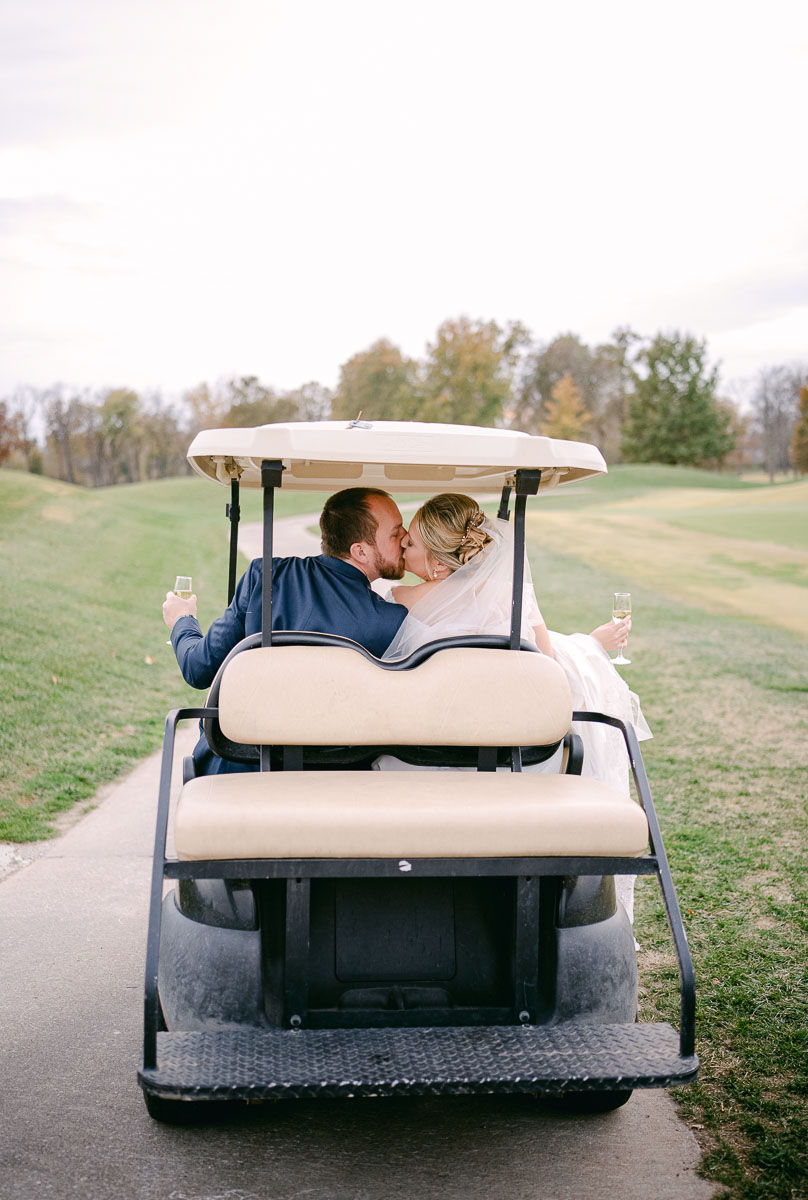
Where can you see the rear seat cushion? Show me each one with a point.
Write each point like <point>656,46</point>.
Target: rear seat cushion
<point>392,814</point>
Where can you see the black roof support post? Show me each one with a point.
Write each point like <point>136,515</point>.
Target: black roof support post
<point>271,476</point>
<point>233,513</point>
<point>527,484</point>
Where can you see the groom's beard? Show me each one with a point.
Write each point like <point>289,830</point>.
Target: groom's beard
<point>389,570</point>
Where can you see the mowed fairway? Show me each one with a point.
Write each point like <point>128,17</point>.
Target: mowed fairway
<point>741,552</point>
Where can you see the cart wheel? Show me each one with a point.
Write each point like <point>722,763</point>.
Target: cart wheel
<point>593,1102</point>
<point>178,1112</point>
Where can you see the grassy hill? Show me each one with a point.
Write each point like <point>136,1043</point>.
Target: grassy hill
<point>636,479</point>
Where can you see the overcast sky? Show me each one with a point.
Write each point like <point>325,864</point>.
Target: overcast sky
<point>191,189</point>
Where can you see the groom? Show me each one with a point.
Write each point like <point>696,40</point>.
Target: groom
<point>362,540</point>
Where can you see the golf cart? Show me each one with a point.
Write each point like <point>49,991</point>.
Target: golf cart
<point>341,931</point>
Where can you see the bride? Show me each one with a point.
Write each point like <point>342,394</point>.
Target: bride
<point>465,560</point>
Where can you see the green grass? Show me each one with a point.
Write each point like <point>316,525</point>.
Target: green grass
<point>628,481</point>
<point>85,675</point>
<point>683,543</point>
<point>790,529</point>
<point>727,698</point>
<point>720,659</point>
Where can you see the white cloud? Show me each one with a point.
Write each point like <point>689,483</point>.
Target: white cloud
<point>194,189</point>
<point>781,339</point>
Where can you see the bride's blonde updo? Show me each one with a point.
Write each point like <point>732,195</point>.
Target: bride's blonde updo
<point>450,528</point>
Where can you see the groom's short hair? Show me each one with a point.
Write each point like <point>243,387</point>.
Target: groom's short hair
<point>346,519</point>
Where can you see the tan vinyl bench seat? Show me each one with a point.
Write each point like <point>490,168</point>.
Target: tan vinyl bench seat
<point>334,696</point>
<point>403,814</point>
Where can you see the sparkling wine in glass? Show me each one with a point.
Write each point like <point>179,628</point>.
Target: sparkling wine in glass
<point>621,608</point>
<point>184,588</point>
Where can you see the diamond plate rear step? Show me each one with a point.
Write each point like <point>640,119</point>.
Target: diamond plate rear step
<point>276,1064</point>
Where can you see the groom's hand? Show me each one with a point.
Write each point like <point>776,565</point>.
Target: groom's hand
<point>175,607</point>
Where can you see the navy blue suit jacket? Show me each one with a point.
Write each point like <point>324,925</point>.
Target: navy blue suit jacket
<point>322,594</point>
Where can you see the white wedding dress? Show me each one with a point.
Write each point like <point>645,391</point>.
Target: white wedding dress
<point>476,599</point>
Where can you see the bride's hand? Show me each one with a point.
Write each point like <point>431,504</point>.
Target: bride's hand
<point>613,634</point>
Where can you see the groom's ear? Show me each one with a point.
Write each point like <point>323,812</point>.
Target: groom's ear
<point>359,554</point>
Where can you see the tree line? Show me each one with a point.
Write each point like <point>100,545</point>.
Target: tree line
<point>640,399</point>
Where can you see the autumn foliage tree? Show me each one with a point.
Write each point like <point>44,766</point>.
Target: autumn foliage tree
<point>64,412</point>
<point>468,373</point>
<point>207,405</point>
<point>110,437</point>
<point>799,442</point>
<point>312,401</point>
<point>564,413</point>
<point>599,374</point>
<point>378,382</point>
<point>647,399</point>
<point>244,401</point>
<point>9,433</point>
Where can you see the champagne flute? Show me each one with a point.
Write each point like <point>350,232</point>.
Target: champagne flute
<point>621,608</point>
<point>184,588</point>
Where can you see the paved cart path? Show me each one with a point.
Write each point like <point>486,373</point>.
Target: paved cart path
<point>72,1119</point>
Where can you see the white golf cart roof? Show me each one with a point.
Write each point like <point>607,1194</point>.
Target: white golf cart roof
<point>397,456</point>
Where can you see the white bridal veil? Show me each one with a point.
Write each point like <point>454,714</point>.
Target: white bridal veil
<point>476,598</point>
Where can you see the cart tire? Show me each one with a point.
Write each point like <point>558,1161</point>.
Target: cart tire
<point>593,1102</point>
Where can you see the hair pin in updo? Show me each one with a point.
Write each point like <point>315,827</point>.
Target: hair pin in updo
<point>474,522</point>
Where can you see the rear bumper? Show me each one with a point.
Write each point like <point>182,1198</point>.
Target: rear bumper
<point>309,1063</point>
